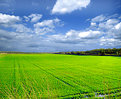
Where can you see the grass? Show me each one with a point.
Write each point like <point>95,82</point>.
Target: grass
<point>59,76</point>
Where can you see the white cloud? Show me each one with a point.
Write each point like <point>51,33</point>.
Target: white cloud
<point>104,41</point>
<point>93,24</point>
<point>26,18</point>
<point>89,34</point>
<point>21,28</point>
<point>15,34</point>
<point>33,17</point>
<point>82,34</point>
<point>111,28</point>
<point>116,31</point>
<point>102,32</point>
<point>48,23</point>
<point>13,22</point>
<point>67,6</point>
<point>106,32</point>
<point>112,21</point>
<point>108,24</point>
<point>42,31</point>
<point>99,18</point>
<point>8,19</point>
<point>46,26</point>
<point>118,26</point>
<point>76,37</point>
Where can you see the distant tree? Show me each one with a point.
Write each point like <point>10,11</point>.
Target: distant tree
<point>100,52</point>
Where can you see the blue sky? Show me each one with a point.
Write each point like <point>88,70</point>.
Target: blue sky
<point>59,25</point>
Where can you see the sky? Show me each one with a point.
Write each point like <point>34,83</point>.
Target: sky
<point>59,25</point>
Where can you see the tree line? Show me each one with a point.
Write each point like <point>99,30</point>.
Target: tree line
<point>97,52</point>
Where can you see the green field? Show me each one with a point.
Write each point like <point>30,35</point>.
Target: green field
<point>59,76</point>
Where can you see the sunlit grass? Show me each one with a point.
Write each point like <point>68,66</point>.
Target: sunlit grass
<point>59,76</point>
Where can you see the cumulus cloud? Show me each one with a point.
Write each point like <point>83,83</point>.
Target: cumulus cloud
<point>46,26</point>
<point>67,6</point>
<point>48,23</point>
<point>82,34</point>
<point>16,33</point>
<point>105,41</point>
<point>11,21</point>
<point>99,18</point>
<point>76,37</point>
<point>33,17</point>
<point>16,23</point>
<point>103,31</point>
<point>108,24</point>
<point>42,31</point>
<point>8,19</point>
<point>14,41</point>
<point>21,28</point>
<point>93,24</point>
<point>116,31</point>
<point>118,26</point>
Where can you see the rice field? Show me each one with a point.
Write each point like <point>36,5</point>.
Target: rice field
<point>56,76</point>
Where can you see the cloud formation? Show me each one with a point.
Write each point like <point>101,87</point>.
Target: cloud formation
<point>33,17</point>
<point>8,19</point>
<point>46,26</point>
<point>67,6</point>
<point>48,23</point>
<point>99,18</point>
<point>13,22</point>
<point>15,35</point>
<point>103,31</point>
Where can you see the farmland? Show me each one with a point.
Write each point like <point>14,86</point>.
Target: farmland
<point>59,76</point>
